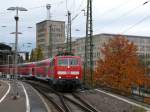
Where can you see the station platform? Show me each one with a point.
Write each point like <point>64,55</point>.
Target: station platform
<point>16,96</point>
<point>3,89</point>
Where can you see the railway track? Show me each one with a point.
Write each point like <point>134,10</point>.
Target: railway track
<point>63,102</point>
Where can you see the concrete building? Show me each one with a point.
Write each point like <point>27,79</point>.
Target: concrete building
<point>6,54</point>
<point>49,34</point>
<point>98,40</point>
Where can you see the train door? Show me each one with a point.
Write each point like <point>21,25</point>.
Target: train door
<point>33,72</point>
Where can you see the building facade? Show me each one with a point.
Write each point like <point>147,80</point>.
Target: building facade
<point>49,34</point>
<point>6,54</point>
<point>99,40</point>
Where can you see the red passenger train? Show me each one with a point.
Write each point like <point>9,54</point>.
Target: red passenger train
<point>60,71</point>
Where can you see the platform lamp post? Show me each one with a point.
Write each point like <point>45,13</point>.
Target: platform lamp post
<point>17,9</point>
<point>9,60</point>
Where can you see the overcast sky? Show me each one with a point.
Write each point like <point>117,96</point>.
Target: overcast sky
<point>109,16</point>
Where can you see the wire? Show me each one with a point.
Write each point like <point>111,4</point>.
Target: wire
<point>5,12</point>
<point>126,13</point>
<point>115,7</point>
<point>146,2</point>
<point>67,5</point>
<point>77,15</point>
<point>79,8</point>
<point>32,8</point>
<point>134,25</point>
<point>80,5</point>
<point>73,6</point>
<point>130,11</point>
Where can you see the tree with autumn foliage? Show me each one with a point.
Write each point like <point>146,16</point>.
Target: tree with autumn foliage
<point>36,54</point>
<point>120,67</point>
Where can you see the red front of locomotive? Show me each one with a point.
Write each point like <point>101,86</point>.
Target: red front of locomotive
<point>68,71</point>
<point>68,67</point>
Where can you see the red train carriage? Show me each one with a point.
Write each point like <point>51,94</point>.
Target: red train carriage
<point>41,69</point>
<point>4,69</point>
<point>26,70</point>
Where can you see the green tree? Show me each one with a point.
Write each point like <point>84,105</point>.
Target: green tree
<point>36,54</point>
<point>39,54</point>
<point>32,57</point>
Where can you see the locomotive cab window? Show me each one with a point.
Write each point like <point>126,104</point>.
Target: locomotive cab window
<point>73,61</point>
<point>63,61</point>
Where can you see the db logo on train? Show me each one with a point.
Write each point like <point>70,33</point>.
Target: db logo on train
<point>68,72</point>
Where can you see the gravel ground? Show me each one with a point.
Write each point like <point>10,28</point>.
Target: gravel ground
<point>105,103</point>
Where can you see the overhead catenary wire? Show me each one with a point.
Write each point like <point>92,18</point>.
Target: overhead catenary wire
<point>126,13</point>
<point>5,12</point>
<point>115,8</point>
<point>78,8</point>
<point>30,8</point>
<point>137,23</point>
<point>77,14</point>
<point>33,8</point>
<point>67,5</point>
<point>73,6</point>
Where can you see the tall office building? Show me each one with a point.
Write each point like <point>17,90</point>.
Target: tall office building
<point>50,34</point>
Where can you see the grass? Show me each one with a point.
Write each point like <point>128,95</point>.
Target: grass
<point>138,109</point>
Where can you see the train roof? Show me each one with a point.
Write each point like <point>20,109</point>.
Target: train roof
<point>25,64</point>
<point>69,56</point>
<point>43,61</point>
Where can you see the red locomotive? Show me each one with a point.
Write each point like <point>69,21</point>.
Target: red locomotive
<point>60,71</point>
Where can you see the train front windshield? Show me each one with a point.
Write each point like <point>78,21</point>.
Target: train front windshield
<point>68,61</point>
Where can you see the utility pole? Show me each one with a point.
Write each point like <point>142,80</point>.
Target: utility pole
<point>89,43</point>
<point>69,38</point>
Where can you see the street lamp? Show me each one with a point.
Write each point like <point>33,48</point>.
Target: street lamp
<point>17,9</point>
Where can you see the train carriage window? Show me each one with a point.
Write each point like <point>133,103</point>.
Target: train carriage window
<point>73,61</point>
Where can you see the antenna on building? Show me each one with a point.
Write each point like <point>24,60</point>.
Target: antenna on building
<point>48,7</point>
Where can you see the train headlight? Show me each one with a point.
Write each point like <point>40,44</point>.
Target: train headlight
<point>77,77</point>
<point>75,72</point>
<point>61,72</point>
<point>59,77</point>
